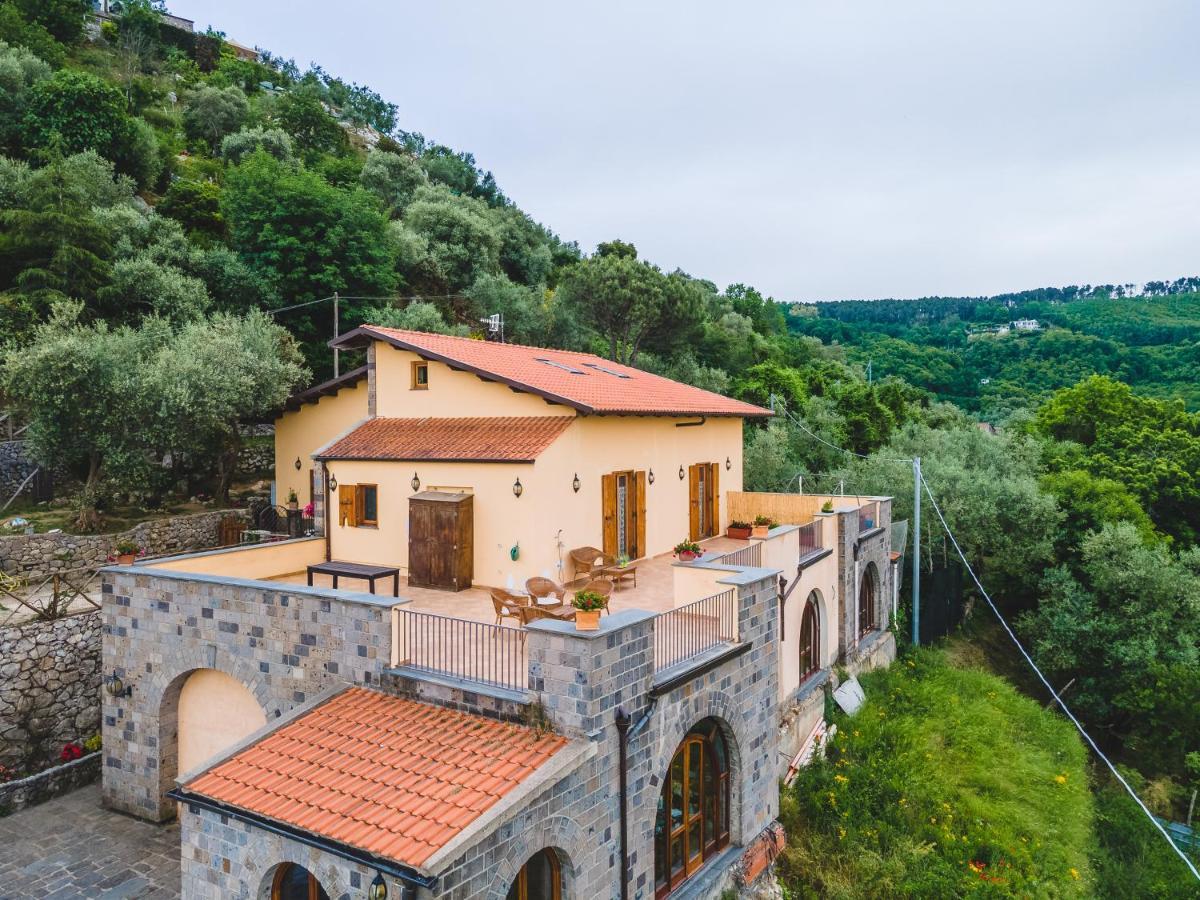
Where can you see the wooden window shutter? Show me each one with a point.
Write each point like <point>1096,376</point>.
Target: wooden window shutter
<point>346,514</point>
<point>608,504</point>
<point>640,530</point>
<point>694,501</point>
<point>714,498</point>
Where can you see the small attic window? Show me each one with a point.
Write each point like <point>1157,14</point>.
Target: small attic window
<point>563,366</point>
<point>420,376</point>
<point>607,370</point>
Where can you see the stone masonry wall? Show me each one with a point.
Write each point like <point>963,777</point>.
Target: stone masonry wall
<point>857,553</point>
<point>581,679</point>
<point>38,555</point>
<point>285,643</point>
<point>49,688</point>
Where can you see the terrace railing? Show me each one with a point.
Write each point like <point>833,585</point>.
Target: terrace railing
<point>684,633</point>
<point>750,555</point>
<point>810,538</point>
<point>868,516</point>
<point>472,651</point>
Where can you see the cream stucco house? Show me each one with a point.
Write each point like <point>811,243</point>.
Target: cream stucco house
<point>466,462</point>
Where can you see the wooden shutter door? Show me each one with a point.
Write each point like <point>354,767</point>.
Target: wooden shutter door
<point>714,498</point>
<point>346,504</point>
<point>640,530</point>
<point>694,501</point>
<point>608,505</point>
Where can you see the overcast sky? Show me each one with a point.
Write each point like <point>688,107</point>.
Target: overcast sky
<point>817,150</point>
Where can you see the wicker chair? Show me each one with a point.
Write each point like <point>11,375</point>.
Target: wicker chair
<point>529,614</point>
<point>508,604</point>
<point>588,559</point>
<point>601,586</point>
<point>540,587</point>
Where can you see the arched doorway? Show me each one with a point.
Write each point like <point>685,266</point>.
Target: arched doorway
<point>293,882</point>
<point>693,808</point>
<point>866,601</point>
<point>810,637</point>
<point>539,879</point>
<point>215,712</point>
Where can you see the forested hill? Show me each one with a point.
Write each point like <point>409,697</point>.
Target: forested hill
<point>959,348</point>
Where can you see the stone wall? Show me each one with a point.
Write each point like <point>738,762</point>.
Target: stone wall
<point>15,467</point>
<point>581,679</point>
<point>54,782</point>
<point>38,555</point>
<point>861,552</point>
<point>285,643</point>
<point>49,688</point>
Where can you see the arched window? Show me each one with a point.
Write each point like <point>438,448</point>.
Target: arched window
<point>866,602</point>
<point>539,879</point>
<point>810,638</point>
<point>293,882</point>
<point>693,809</point>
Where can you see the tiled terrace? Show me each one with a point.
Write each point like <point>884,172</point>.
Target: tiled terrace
<point>654,591</point>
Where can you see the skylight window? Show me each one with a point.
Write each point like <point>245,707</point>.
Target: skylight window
<point>563,366</point>
<point>612,372</point>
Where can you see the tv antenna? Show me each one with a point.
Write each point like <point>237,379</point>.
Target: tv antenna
<point>495,327</point>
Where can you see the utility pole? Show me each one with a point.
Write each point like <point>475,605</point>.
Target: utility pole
<point>336,352</point>
<point>916,560</point>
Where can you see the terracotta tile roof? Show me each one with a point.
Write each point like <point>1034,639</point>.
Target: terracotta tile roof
<point>496,439</point>
<point>590,384</point>
<point>325,388</point>
<point>387,775</point>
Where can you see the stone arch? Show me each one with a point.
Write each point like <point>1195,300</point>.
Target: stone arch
<point>331,879</point>
<point>869,582</point>
<point>556,834</point>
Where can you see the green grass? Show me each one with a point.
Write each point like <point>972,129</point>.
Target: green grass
<point>947,783</point>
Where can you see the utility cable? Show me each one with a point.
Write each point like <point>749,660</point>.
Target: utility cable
<point>1058,699</point>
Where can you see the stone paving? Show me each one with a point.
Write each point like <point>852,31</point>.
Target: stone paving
<point>71,848</point>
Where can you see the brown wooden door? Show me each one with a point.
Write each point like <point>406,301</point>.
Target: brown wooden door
<point>434,544</point>
<point>704,498</point>
<point>623,504</point>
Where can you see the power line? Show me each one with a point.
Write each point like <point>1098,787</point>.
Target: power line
<point>410,298</point>
<point>816,437</point>
<point>1058,699</point>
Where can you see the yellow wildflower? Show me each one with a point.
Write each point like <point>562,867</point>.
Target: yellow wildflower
<point>1061,779</point>
<point>1074,873</point>
<point>840,779</point>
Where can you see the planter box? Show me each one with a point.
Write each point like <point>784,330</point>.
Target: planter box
<point>587,620</point>
<point>738,534</point>
<point>760,531</point>
<point>51,783</point>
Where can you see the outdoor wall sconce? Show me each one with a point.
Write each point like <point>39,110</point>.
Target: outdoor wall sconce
<point>576,483</point>
<point>728,464</point>
<point>415,483</point>
<point>298,464</point>
<point>681,473</point>
<point>378,888</point>
<point>116,687</point>
<point>650,477</point>
<point>333,483</point>
<point>518,490</point>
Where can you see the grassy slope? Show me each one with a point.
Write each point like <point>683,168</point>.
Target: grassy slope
<point>947,783</point>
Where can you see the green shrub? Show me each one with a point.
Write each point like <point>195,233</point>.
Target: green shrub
<point>946,783</point>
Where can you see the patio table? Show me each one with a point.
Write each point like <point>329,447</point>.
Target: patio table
<point>618,573</point>
<point>368,573</point>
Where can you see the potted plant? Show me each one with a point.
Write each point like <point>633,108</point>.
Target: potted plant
<point>588,605</point>
<point>827,506</point>
<point>762,524</point>
<point>738,530</point>
<point>686,551</point>
<point>293,502</point>
<point>126,552</point>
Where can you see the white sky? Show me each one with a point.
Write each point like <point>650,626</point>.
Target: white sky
<point>817,150</point>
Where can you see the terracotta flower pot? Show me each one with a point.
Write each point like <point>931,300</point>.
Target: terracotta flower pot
<point>126,559</point>
<point>760,531</point>
<point>738,534</point>
<point>686,556</point>
<point>587,620</point>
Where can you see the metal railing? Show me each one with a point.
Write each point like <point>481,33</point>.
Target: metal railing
<point>810,538</point>
<point>473,651</point>
<point>683,633</point>
<point>868,516</point>
<point>750,555</point>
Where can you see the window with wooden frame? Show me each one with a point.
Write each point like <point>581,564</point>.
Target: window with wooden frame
<point>293,882</point>
<point>539,879</point>
<point>810,638</point>
<point>704,500</point>
<point>866,603</point>
<point>420,375</point>
<point>358,505</point>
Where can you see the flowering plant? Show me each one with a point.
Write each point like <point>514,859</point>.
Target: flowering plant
<point>70,751</point>
<point>688,547</point>
<point>308,511</point>
<point>587,601</point>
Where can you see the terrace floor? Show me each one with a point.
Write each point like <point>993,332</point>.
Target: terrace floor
<point>654,591</point>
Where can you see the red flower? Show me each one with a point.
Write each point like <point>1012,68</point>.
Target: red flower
<point>70,751</point>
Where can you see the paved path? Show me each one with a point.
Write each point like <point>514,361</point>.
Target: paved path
<point>71,848</point>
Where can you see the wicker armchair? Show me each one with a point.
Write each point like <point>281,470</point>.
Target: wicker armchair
<point>507,604</point>
<point>540,587</point>
<point>601,586</point>
<point>529,614</point>
<point>589,559</point>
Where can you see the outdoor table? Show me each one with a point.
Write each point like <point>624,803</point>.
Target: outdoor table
<point>616,573</point>
<point>356,570</point>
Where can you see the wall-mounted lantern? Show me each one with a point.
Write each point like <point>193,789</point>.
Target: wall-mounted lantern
<point>298,464</point>
<point>681,473</point>
<point>650,477</point>
<point>378,888</point>
<point>333,483</point>
<point>415,483</point>
<point>728,464</point>
<point>518,490</point>
<point>116,687</point>
<point>576,483</point>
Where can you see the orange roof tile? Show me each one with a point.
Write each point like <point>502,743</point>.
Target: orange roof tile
<point>588,383</point>
<point>481,439</point>
<point>362,793</point>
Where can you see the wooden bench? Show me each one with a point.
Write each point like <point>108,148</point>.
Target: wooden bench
<point>364,571</point>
